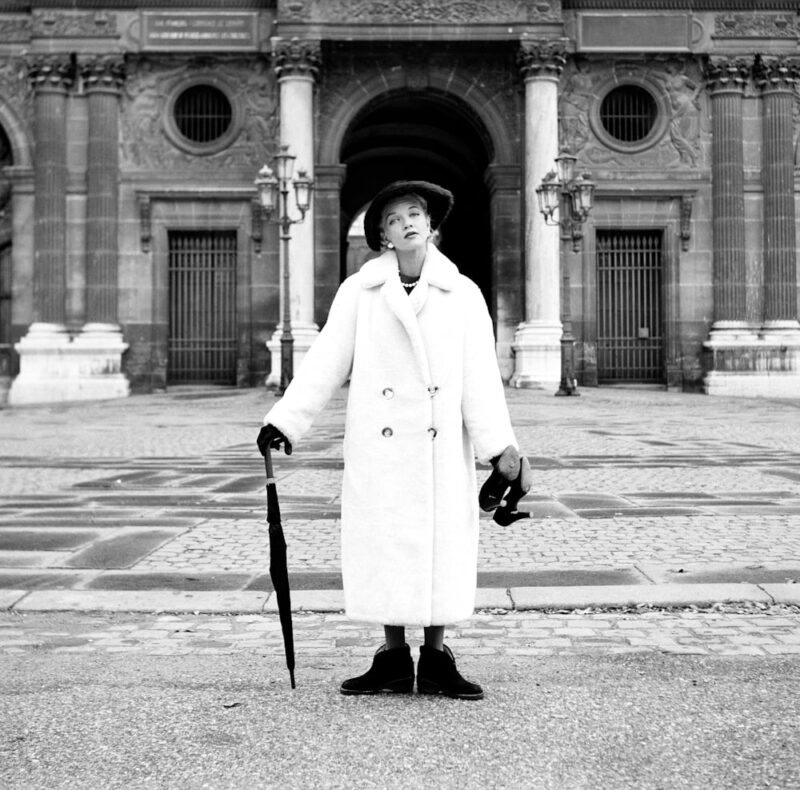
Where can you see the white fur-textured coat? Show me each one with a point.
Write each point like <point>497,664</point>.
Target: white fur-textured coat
<point>424,390</point>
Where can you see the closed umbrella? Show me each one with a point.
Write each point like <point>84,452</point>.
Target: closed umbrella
<point>278,571</point>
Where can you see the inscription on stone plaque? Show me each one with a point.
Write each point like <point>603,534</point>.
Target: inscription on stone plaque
<point>222,31</point>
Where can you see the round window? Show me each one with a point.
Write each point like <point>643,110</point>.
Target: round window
<point>203,114</point>
<point>628,113</point>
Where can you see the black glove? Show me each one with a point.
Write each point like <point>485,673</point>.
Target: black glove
<point>270,436</point>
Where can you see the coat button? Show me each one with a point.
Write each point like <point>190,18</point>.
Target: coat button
<point>432,432</point>
<point>387,432</point>
<point>432,390</point>
<point>388,393</point>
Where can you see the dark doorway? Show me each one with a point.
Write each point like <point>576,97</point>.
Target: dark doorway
<point>431,136</point>
<point>202,307</point>
<point>629,313</point>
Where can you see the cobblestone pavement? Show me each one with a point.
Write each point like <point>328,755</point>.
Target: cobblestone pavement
<point>742,629</point>
<point>165,491</point>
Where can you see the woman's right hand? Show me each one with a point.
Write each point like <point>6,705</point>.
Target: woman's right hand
<point>270,436</point>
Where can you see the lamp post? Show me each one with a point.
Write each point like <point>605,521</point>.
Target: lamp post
<point>573,198</point>
<point>273,192</point>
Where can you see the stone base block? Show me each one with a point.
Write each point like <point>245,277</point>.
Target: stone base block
<point>55,366</point>
<point>758,363</point>
<point>304,335</point>
<point>537,349</point>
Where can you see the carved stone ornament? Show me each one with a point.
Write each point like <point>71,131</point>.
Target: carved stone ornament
<point>677,140</point>
<point>66,24</point>
<point>14,86</point>
<point>294,10</point>
<point>103,71</point>
<point>728,73</point>
<point>50,71</point>
<point>755,26</point>
<point>296,56</point>
<point>458,12</point>
<point>15,30</point>
<point>542,58</point>
<point>776,73</point>
<point>148,86</point>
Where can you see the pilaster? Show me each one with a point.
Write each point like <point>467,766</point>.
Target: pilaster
<point>726,81</point>
<point>50,77</point>
<point>537,343</point>
<point>777,79</point>
<point>761,360</point>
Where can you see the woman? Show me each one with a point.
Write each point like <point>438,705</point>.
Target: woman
<point>415,339</point>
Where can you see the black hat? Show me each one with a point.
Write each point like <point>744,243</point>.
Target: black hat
<point>439,200</point>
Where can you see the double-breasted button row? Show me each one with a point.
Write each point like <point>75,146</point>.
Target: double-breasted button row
<point>387,432</point>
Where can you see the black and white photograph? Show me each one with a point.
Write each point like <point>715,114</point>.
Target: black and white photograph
<point>399,394</point>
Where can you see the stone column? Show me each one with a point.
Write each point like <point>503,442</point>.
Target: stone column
<point>748,359</point>
<point>537,343</point>
<point>41,350</point>
<point>777,79</point>
<point>726,81</point>
<point>100,345</point>
<point>296,64</point>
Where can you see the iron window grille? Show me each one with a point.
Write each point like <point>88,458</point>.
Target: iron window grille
<point>628,113</point>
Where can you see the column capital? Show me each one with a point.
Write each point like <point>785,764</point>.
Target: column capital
<point>53,72</point>
<point>103,72</point>
<point>296,57</point>
<point>776,74</point>
<point>726,74</point>
<point>542,59</point>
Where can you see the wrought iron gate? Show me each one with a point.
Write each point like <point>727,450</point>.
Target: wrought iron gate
<point>629,322</point>
<point>202,307</point>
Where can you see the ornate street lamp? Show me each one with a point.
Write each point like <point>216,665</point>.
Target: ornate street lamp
<point>273,193</point>
<point>573,199</point>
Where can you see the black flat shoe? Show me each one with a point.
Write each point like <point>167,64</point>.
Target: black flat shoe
<point>437,674</point>
<point>392,672</point>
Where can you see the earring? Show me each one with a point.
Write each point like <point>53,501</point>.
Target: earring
<point>389,245</point>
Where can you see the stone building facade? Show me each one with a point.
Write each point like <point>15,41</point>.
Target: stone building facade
<point>134,254</point>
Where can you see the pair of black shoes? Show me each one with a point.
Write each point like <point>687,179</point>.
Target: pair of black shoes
<point>392,672</point>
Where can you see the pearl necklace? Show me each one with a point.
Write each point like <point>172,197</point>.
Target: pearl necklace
<point>409,285</point>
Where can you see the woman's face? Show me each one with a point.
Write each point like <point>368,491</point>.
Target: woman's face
<point>406,224</point>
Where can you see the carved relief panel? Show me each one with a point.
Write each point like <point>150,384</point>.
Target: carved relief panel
<point>249,85</point>
<point>679,135</point>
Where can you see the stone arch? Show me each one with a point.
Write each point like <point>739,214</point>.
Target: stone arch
<point>467,91</point>
<point>17,136</point>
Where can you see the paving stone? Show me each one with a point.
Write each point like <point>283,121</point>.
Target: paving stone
<point>120,551</point>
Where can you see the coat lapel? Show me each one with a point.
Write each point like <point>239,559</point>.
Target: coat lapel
<point>437,271</point>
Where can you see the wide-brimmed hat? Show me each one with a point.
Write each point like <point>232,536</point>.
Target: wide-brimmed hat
<point>439,200</point>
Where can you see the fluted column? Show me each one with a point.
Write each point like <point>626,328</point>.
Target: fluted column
<point>102,80</point>
<point>726,81</point>
<point>537,343</point>
<point>51,77</point>
<point>296,63</point>
<point>777,79</point>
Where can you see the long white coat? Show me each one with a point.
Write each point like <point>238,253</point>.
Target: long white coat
<point>424,390</point>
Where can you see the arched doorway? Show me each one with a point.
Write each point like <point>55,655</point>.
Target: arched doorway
<point>428,135</point>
